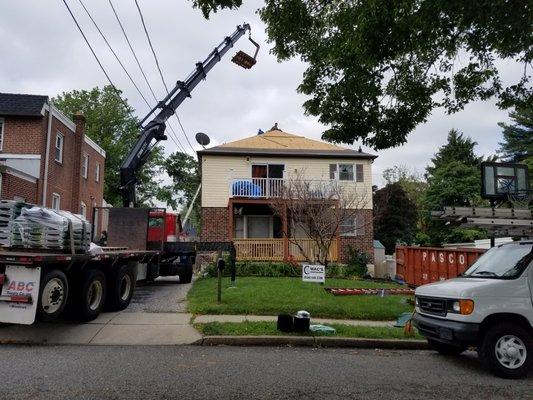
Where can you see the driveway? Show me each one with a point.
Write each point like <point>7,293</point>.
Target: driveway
<point>155,316</point>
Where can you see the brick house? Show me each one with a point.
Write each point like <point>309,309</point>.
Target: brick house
<point>46,158</point>
<point>240,179</point>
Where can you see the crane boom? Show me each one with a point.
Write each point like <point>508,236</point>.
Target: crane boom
<point>154,130</point>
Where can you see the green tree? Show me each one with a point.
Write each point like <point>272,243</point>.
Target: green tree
<point>517,145</point>
<point>111,125</point>
<point>411,181</point>
<point>377,68</point>
<point>454,179</point>
<point>395,216</point>
<point>184,171</point>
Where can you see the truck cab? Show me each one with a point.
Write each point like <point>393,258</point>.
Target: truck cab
<point>489,306</point>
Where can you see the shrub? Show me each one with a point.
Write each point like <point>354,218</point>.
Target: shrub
<point>357,261</point>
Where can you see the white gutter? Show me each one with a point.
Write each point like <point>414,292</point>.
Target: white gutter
<point>47,153</point>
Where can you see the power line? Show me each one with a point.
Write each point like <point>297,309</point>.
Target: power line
<point>175,136</point>
<point>126,107</point>
<point>160,72</point>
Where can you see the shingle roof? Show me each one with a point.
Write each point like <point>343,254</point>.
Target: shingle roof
<point>276,142</point>
<point>29,105</point>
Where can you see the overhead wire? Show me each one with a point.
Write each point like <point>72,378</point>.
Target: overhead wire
<point>122,65</point>
<point>117,92</point>
<point>160,72</point>
<point>174,138</point>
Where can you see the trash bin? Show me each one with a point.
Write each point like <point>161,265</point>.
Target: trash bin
<point>302,320</point>
<point>285,323</point>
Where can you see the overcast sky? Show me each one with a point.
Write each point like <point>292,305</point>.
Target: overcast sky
<point>43,53</point>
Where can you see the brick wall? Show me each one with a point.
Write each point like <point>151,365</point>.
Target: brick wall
<point>215,224</point>
<point>23,135</point>
<point>364,242</point>
<point>14,186</point>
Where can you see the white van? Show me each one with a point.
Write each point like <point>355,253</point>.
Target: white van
<point>490,306</point>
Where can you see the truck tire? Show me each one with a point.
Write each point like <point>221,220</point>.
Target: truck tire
<point>446,349</point>
<point>53,295</point>
<point>121,286</point>
<point>507,350</point>
<point>91,295</point>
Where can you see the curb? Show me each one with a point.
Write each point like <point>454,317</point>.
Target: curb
<point>310,341</point>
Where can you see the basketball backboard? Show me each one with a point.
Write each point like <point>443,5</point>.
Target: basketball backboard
<point>500,180</point>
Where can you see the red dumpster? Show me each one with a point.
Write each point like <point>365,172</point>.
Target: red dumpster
<point>421,265</point>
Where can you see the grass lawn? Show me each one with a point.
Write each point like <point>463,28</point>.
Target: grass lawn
<point>273,296</point>
<point>250,328</point>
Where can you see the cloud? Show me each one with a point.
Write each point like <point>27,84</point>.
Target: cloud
<point>43,53</point>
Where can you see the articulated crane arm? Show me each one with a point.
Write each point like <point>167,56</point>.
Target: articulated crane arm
<point>154,130</point>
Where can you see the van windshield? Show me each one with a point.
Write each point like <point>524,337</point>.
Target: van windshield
<point>502,262</point>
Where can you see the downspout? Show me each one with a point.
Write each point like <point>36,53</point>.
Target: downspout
<point>47,153</point>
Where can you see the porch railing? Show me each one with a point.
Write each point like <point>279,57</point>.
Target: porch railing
<point>273,250</point>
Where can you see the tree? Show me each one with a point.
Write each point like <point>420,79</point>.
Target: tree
<point>454,179</point>
<point>111,125</point>
<point>183,169</point>
<point>322,210</point>
<point>411,181</point>
<point>395,216</point>
<point>377,68</point>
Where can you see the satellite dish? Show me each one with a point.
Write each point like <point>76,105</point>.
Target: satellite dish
<point>202,139</point>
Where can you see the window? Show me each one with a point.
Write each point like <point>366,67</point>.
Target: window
<point>345,172</point>
<point>60,139</point>
<point>353,226</point>
<point>56,201</point>
<point>85,166</point>
<point>1,133</point>
<point>97,173</point>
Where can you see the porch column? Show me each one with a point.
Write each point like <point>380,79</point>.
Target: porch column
<point>230,220</point>
<point>285,234</point>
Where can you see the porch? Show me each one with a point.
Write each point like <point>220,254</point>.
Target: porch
<point>275,249</point>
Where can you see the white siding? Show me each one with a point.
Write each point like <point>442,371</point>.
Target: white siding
<point>218,172</point>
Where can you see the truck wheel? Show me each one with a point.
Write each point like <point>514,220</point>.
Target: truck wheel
<point>121,286</point>
<point>52,295</point>
<point>507,350</point>
<point>91,295</point>
<point>446,349</point>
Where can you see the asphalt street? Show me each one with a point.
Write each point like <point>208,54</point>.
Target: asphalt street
<point>189,372</point>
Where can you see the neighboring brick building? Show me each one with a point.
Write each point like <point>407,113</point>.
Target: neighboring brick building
<point>240,179</point>
<point>71,177</point>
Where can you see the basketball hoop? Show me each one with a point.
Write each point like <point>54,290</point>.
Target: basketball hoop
<point>521,200</point>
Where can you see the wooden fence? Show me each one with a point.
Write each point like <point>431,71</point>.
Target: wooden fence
<point>272,249</point>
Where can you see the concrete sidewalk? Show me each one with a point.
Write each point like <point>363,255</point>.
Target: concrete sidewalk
<point>203,319</point>
<point>123,328</point>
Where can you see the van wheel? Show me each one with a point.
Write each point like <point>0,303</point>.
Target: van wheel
<point>446,349</point>
<point>507,350</point>
<point>121,286</point>
<point>53,295</point>
<point>91,295</point>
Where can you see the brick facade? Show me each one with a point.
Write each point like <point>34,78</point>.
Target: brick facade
<point>28,135</point>
<point>364,242</point>
<point>215,224</point>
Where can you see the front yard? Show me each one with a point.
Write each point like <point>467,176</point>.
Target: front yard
<point>273,296</point>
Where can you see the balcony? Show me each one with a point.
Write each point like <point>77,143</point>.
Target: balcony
<point>266,188</point>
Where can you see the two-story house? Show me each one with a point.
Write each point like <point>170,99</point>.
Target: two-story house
<point>46,158</point>
<point>241,178</point>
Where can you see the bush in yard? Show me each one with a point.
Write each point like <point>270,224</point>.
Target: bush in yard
<point>357,261</point>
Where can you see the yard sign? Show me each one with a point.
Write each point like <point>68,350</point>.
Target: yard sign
<point>313,273</point>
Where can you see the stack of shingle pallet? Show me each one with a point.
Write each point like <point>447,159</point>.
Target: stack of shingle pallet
<point>9,211</point>
<point>42,228</point>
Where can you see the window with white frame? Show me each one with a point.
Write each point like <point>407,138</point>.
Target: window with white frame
<point>60,141</point>
<point>97,173</point>
<point>56,201</point>
<point>2,123</point>
<point>353,225</point>
<point>85,166</point>
<point>346,172</point>
<point>83,209</point>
